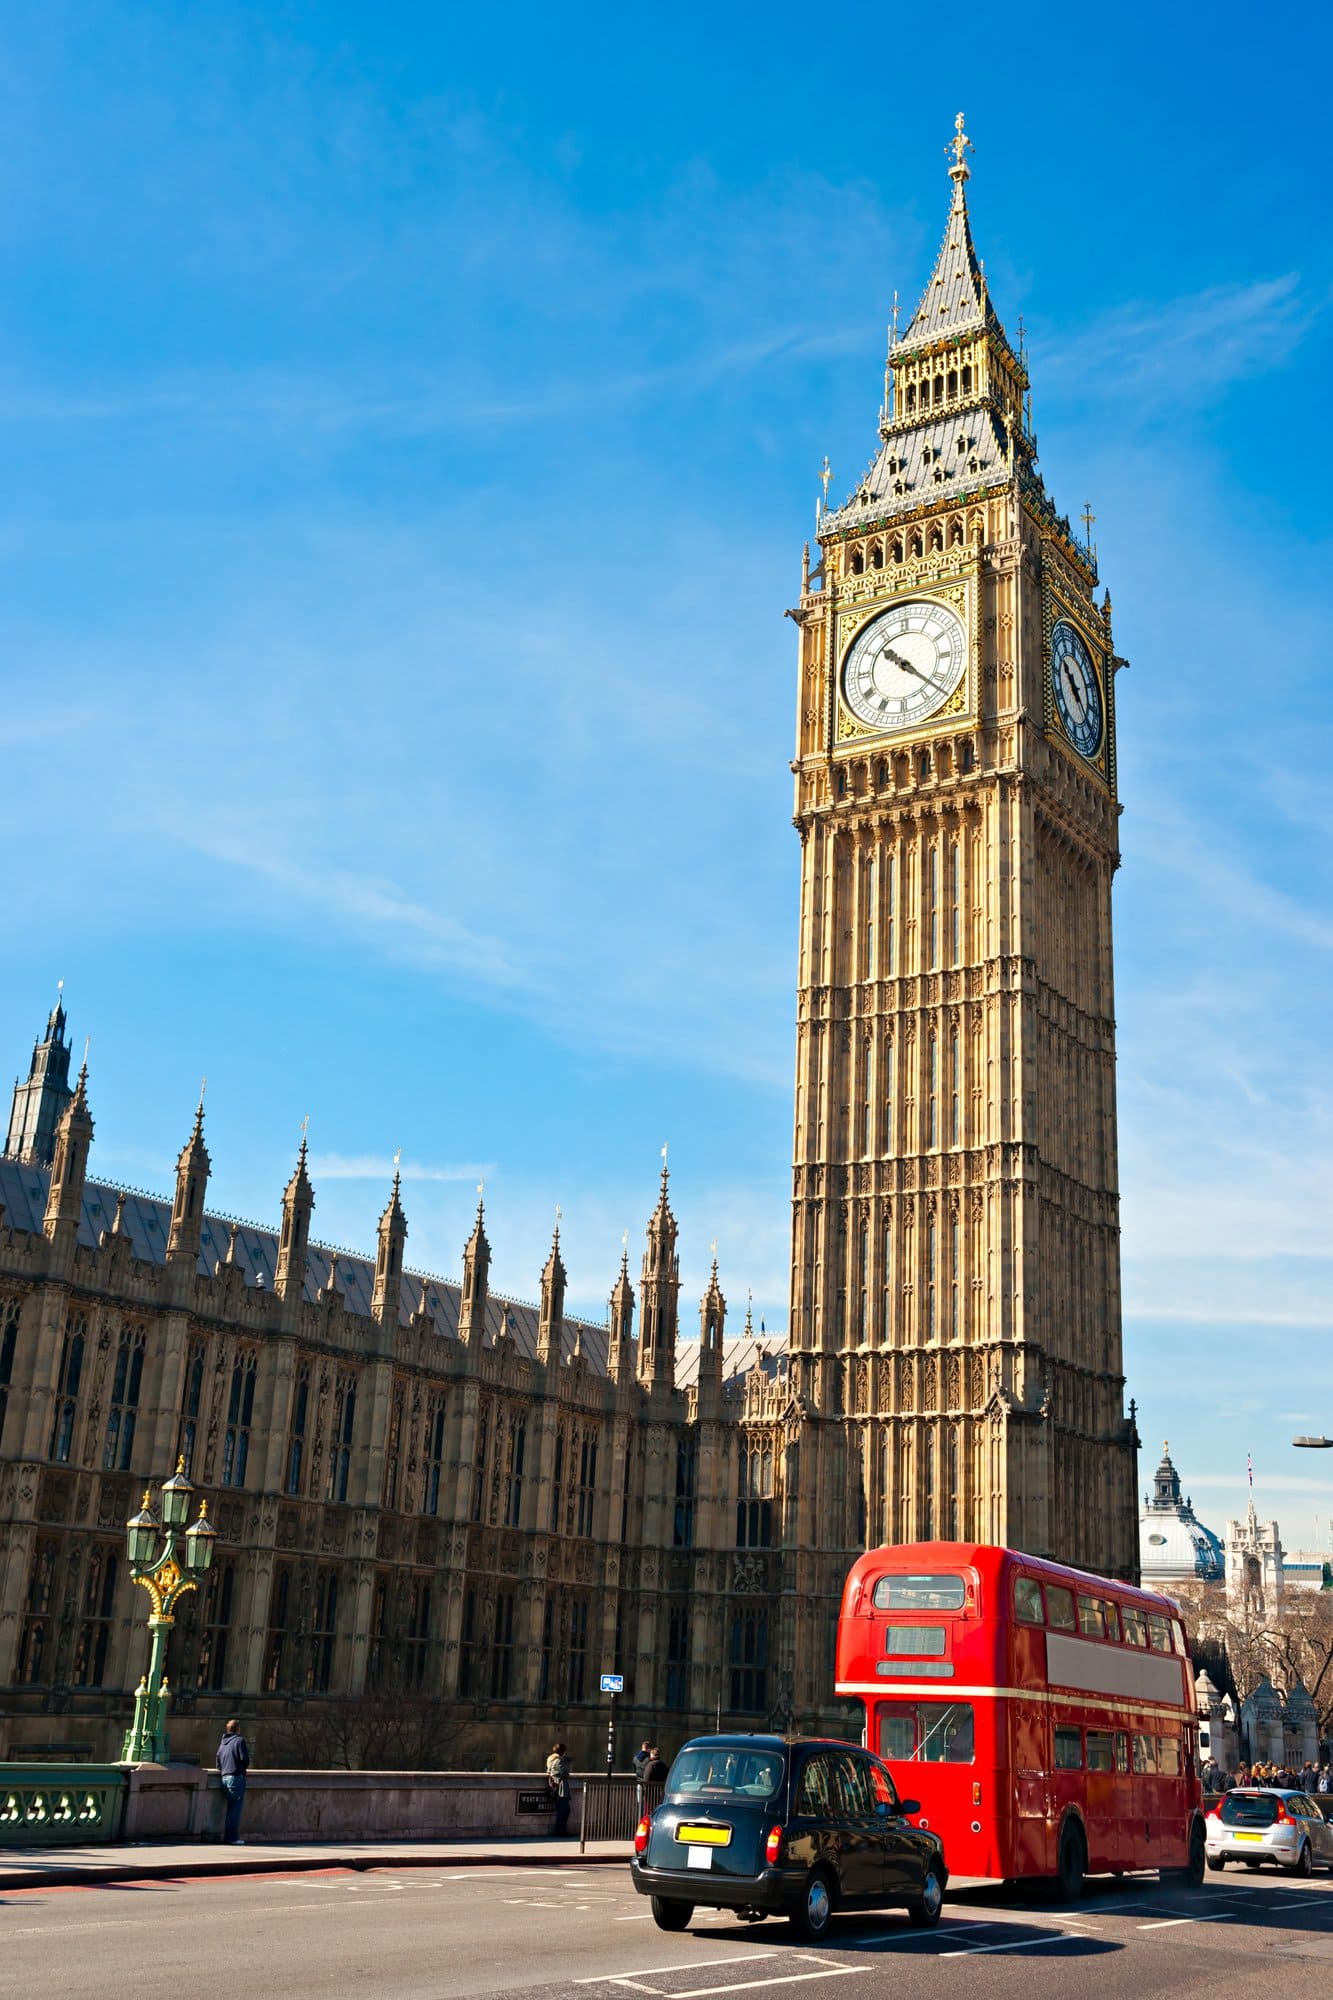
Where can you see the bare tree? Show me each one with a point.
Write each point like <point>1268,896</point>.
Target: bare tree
<point>1292,1641</point>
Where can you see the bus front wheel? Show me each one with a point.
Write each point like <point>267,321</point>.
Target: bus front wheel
<point>1072,1865</point>
<point>1191,1875</point>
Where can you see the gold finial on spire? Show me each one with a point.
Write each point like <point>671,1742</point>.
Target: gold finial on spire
<point>1088,517</point>
<point>960,146</point>
<point>825,474</point>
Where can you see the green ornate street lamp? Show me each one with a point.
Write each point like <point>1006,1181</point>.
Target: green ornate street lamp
<point>165,1580</point>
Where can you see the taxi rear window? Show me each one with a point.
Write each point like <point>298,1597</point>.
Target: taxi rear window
<point>919,1593</point>
<point>708,1771</point>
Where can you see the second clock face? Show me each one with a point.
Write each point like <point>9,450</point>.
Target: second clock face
<point>904,665</point>
<point>1078,695</point>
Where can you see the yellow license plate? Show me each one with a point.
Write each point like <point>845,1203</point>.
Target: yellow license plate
<point>1248,1836</point>
<point>704,1836</point>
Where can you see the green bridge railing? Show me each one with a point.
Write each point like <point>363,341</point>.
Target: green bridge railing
<point>52,1805</point>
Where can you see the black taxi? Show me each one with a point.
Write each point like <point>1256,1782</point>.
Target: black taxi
<point>794,1826</point>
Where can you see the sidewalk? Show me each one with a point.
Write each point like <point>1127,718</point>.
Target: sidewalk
<point>62,1867</point>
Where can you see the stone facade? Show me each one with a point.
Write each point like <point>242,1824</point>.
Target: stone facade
<point>421,1488</point>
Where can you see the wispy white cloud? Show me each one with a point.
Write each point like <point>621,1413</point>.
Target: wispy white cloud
<point>1185,349</point>
<point>373,1167</point>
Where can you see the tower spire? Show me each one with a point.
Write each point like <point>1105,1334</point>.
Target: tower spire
<point>39,1102</point>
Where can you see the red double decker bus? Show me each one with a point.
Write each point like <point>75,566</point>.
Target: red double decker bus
<point>1053,1709</point>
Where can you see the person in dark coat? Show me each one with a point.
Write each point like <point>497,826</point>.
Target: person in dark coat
<point>655,1770</point>
<point>233,1763</point>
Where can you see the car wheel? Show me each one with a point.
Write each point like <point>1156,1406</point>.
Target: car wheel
<point>811,1913</point>
<point>1304,1862</point>
<point>924,1910</point>
<point>669,1915</point>
<point>1073,1862</point>
<point>1216,1863</point>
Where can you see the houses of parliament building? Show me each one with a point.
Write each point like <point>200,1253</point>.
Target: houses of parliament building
<point>427,1491</point>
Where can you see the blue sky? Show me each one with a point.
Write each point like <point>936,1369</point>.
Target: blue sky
<point>410,426</point>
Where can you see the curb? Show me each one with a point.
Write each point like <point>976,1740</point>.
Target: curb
<point>302,1864</point>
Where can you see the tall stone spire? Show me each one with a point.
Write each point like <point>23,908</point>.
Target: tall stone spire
<point>69,1167</point>
<point>620,1342</point>
<point>187,1214</point>
<point>39,1102</point>
<point>552,1316</point>
<point>298,1202</point>
<point>476,1279</point>
<point>712,1322</point>
<point>955,299</point>
<point>659,1294</point>
<point>389,1256</point>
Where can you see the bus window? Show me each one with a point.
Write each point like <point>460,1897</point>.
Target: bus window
<point>1159,1632</point>
<point>1027,1601</point>
<point>921,1641</point>
<point>1121,1750</point>
<point>1091,1619</point>
<point>1136,1628</point>
<point>1068,1750</point>
<point>1112,1623</point>
<point>1178,1636</point>
<point>1145,1756</point>
<point>919,1593</point>
<point>927,1732</point>
<point>1168,1757</point>
<point>1101,1750</point>
<point>1060,1608</point>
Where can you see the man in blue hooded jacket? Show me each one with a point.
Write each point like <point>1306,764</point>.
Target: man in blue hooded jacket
<point>233,1763</point>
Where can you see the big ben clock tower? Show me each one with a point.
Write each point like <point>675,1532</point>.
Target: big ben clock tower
<point>955,1311</point>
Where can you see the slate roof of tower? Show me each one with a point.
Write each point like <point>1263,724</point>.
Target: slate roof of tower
<point>955,299</point>
<point>147,1222</point>
<point>941,458</point>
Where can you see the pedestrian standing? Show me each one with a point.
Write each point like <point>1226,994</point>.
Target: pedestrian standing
<point>655,1770</point>
<point>641,1757</point>
<point>557,1780</point>
<point>233,1763</point>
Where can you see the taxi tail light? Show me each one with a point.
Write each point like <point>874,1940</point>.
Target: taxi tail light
<point>1284,1818</point>
<point>773,1845</point>
<point>641,1835</point>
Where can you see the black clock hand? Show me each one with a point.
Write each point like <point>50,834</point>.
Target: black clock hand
<point>899,661</point>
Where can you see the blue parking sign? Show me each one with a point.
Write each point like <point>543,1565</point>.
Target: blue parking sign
<point>613,1684</point>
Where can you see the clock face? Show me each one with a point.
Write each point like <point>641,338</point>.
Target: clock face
<point>1077,691</point>
<point>904,665</point>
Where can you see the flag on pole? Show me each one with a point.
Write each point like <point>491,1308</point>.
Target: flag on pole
<point>1249,1467</point>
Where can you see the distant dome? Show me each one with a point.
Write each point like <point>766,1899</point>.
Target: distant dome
<point>1173,1546</point>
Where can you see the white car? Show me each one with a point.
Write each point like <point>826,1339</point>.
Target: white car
<point>1261,1823</point>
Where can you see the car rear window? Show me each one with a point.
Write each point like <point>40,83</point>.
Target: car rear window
<point>919,1593</point>
<point>1248,1809</point>
<point>706,1771</point>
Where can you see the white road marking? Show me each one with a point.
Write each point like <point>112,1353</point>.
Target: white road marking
<point>1171,1923</point>
<point>681,1965</point>
<point>1017,1944</point>
<point>639,1917</point>
<point>785,1979</point>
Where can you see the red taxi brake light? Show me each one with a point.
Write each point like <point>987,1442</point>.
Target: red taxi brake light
<point>641,1835</point>
<point>773,1845</point>
<point>1284,1818</point>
